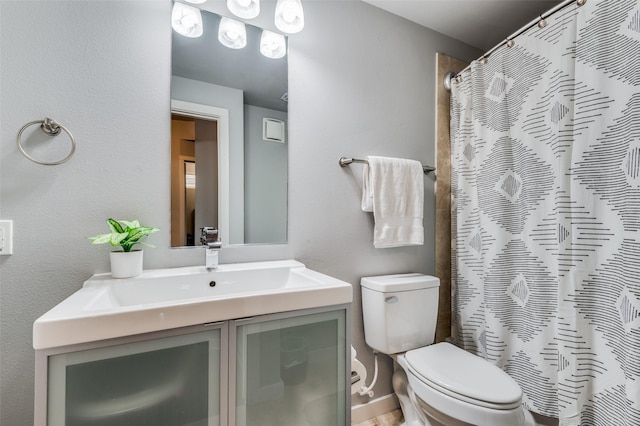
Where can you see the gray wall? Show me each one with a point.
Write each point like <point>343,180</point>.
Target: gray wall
<point>265,171</point>
<point>102,69</point>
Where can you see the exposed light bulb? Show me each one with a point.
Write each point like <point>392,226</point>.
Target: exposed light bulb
<point>272,45</point>
<point>232,34</point>
<point>186,20</point>
<point>289,16</point>
<point>246,9</point>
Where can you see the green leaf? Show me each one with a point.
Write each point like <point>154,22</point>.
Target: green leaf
<point>127,237</point>
<point>146,244</point>
<point>101,239</point>
<point>115,226</point>
<point>131,224</point>
<point>136,234</point>
<point>116,238</point>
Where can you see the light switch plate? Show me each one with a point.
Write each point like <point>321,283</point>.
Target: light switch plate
<point>6,237</point>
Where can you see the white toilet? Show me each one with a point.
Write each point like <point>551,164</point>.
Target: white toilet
<point>437,384</point>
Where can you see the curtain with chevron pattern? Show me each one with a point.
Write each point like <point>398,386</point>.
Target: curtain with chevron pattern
<point>545,141</point>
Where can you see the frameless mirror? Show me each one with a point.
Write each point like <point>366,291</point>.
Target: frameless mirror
<point>228,139</point>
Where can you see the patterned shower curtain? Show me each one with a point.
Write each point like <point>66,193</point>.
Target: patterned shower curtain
<point>546,213</point>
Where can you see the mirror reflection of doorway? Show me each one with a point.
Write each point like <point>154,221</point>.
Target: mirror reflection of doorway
<point>193,141</point>
<point>190,201</point>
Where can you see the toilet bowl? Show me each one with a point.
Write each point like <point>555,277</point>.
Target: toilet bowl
<point>436,384</point>
<point>455,387</point>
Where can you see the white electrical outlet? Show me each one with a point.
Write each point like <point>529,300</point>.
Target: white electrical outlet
<point>6,237</point>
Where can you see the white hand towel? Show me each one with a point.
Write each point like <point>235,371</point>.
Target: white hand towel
<point>393,189</point>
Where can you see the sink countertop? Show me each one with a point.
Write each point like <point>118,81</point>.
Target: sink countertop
<point>163,299</point>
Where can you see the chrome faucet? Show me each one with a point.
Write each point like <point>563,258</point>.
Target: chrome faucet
<point>209,238</point>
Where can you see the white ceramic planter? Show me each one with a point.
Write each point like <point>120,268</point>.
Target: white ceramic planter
<point>126,265</point>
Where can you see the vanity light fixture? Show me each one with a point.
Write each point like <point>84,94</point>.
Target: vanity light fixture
<point>289,16</point>
<point>272,45</point>
<point>232,33</point>
<point>186,20</point>
<point>246,9</point>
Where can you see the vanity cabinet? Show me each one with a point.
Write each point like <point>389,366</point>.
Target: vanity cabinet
<point>290,371</point>
<point>160,380</point>
<point>277,369</point>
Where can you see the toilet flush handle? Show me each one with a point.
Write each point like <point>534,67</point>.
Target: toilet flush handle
<point>391,299</point>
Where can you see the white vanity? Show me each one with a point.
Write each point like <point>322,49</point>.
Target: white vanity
<point>264,343</point>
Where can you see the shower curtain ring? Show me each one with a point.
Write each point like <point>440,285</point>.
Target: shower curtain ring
<point>542,22</point>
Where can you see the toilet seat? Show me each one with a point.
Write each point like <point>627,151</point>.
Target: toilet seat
<point>463,376</point>
<point>448,410</point>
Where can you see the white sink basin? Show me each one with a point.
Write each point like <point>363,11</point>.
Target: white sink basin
<point>162,299</point>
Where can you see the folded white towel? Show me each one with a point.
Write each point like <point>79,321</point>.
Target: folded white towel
<point>393,189</point>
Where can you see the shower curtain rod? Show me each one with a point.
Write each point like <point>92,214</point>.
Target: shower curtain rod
<point>509,39</point>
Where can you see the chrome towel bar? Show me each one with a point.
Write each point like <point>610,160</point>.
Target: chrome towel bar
<point>344,161</point>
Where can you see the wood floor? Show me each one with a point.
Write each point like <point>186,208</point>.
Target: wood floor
<point>393,418</point>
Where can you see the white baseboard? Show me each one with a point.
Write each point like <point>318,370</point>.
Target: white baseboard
<point>374,408</point>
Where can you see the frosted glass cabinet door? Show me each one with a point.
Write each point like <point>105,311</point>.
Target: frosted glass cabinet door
<point>291,371</point>
<point>170,381</point>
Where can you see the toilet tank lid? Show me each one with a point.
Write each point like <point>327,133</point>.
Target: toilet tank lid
<point>399,282</point>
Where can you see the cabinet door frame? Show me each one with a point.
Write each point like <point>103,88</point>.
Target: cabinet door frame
<point>234,325</point>
<point>42,358</point>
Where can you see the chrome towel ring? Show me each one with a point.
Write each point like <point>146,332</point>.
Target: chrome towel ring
<point>51,128</point>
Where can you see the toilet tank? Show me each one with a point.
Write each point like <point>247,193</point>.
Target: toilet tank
<point>399,311</point>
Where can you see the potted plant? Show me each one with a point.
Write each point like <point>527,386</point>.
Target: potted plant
<point>126,234</point>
